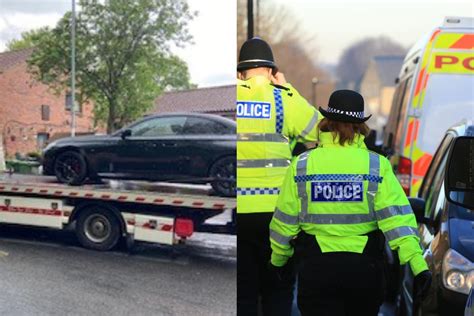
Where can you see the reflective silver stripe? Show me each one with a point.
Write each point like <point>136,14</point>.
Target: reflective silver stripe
<point>279,238</point>
<point>393,211</point>
<point>400,232</point>
<point>337,218</point>
<point>310,125</point>
<point>262,137</point>
<point>285,218</point>
<point>374,170</point>
<point>301,171</point>
<point>262,163</point>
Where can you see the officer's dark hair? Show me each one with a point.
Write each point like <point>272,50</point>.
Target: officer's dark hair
<point>345,130</point>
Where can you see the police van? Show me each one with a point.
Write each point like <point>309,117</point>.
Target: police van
<point>435,90</point>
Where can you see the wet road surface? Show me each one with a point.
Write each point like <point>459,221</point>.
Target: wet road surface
<point>47,272</point>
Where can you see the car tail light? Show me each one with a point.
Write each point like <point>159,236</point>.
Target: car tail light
<point>184,227</point>
<point>404,174</point>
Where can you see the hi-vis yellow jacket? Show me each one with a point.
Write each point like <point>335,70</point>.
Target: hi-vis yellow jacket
<point>339,194</point>
<point>269,119</point>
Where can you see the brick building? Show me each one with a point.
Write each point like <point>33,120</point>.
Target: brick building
<point>30,114</point>
<point>213,100</point>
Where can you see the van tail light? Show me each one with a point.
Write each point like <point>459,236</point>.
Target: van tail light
<point>184,227</point>
<point>404,174</point>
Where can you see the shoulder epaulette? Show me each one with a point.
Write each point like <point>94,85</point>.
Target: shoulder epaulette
<point>280,87</point>
<point>287,90</point>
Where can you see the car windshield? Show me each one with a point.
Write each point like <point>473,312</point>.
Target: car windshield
<point>448,100</point>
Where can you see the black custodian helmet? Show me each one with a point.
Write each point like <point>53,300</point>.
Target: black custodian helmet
<point>254,53</point>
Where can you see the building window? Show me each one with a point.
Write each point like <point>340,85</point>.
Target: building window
<point>68,102</point>
<point>41,139</point>
<point>45,112</point>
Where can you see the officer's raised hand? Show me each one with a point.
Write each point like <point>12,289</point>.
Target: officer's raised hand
<point>278,79</point>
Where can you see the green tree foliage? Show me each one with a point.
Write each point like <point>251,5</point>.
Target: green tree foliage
<point>123,57</point>
<point>28,39</point>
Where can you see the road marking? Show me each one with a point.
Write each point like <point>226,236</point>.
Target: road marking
<point>3,254</point>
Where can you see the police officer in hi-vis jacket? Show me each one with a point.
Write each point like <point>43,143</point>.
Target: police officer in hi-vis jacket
<point>343,201</point>
<point>271,118</point>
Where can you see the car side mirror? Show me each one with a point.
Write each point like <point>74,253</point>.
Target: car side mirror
<point>371,143</point>
<point>126,133</point>
<point>418,206</point>
<point>459,176</point>
<point>390,140</point>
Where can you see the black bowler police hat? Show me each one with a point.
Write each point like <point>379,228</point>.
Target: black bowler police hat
<point>345,106</point>
<point>254,53</point>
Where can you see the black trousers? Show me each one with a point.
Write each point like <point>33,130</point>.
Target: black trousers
<point>340,283</point>
<point>259,292</point>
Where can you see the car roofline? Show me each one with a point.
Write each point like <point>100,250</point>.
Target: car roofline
<point>195,114</point>
<point>168,114</point>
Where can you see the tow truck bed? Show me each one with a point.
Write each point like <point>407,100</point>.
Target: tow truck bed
<point>153,212</point>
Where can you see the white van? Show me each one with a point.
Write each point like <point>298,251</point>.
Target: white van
<point>435,90</point>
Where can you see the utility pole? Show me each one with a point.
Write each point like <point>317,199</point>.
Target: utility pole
<point>73,69</point>
<point>249,19</point>
<point>257,22</point>
<point>314,83</point>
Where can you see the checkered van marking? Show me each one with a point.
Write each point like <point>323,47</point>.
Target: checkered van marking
<point>257,191</point>
<point>338,177</point>
<point>278,109</point>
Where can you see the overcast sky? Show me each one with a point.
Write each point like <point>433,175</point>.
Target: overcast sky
<point>338,23</point>
<point>211,59</point>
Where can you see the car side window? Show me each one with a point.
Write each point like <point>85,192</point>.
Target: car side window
<point>392,124</point>
<point>435,198</point>
<point>403,110</point>
<point>440,154</point>
<point>198,125</point>
<point>162,126</point>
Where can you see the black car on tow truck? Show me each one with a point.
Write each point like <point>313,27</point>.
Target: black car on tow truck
<point>178,147</point>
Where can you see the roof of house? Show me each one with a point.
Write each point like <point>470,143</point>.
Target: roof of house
<point>10,59</point>
<point>388,68</point>
<point>211,99</point>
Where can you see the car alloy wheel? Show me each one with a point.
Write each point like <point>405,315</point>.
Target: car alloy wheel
<point>223,173</point>
<point>70,168</point>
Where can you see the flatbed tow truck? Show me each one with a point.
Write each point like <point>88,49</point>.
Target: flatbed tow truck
<point>104,214</point>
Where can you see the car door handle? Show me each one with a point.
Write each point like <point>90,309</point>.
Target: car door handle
<point>169,144</point>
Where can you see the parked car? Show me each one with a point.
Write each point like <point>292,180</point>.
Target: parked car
<point>433,92</point>
<point>182,147</point>
<point>445,212</point>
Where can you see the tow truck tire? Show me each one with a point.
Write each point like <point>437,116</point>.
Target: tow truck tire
<point>70,167</point>
<point>225,169</point>
<point>98,228</point>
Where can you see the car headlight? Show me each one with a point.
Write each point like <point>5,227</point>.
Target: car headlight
<point>458,272</point>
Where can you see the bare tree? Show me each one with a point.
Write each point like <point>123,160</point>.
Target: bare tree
<point>300,70</point>
<point>294,49</point>
<point>356,57</point>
